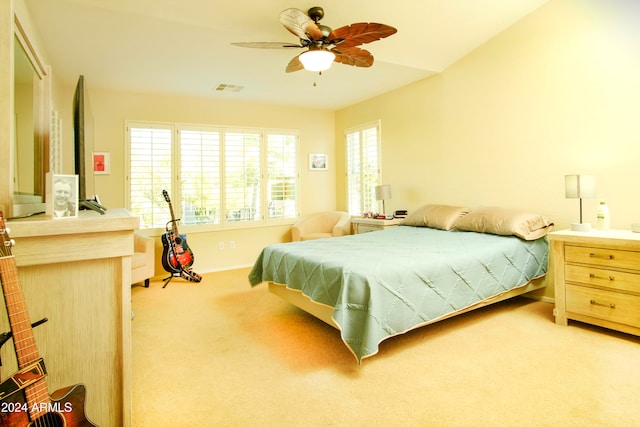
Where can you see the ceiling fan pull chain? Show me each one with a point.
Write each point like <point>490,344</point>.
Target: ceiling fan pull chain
<point>314,79</point>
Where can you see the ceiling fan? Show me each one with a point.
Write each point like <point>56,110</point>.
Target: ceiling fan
<point>324,45</point>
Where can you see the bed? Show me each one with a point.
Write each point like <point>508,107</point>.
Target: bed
<point>377,285</point>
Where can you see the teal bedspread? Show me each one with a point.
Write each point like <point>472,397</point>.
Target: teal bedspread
<point>384,283</point>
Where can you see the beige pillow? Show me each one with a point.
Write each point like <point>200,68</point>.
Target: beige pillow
<point>436,216</point>
<point>505,222</point>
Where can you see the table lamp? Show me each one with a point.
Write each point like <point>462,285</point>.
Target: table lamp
<point>580,187</point>
<point>383,192</point>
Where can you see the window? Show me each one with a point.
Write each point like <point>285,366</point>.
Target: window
<point>282,176</point>
<point>214,175</point>
<point>243,177</point>
<point>150,173</point>
<point>363,168</point>
<point>200,193</point>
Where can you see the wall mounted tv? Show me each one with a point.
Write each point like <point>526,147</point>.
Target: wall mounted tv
<point>83,148</point>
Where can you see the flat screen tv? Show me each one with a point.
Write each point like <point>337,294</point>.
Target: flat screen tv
<point>83,148</point>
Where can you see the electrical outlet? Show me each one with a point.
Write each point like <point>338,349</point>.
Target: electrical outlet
<point>221,246</point>
<point>232,244</point>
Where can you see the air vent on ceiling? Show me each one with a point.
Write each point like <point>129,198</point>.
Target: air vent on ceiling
<point>229,88</point>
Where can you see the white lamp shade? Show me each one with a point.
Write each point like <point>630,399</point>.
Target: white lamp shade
<point>580,186</point>
<point>317,60</point>
<point>383,192</point>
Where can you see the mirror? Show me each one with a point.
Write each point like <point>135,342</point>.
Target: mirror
<point>24,146</point>
<point>31,128</point>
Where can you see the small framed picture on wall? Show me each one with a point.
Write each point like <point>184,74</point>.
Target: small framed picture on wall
<point>101,163</point>
<point>62,196</point>
<point>318,162</point>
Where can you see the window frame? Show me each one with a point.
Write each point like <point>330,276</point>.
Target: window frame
<point>176,175</point>
<point>360,130</point>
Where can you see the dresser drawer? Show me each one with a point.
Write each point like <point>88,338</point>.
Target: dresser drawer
<point>611,279</point>
<point>602,257</point>
<point>605,305</point>
<point>366,228</point>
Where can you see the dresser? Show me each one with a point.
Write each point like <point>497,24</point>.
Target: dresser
<point>597,278</point>
<point>76,272</point>
<point>366,225</point>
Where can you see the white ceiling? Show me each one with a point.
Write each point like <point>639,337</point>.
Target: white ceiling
<point>184,46</point>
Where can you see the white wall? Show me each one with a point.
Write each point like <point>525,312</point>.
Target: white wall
<point>558,93</point>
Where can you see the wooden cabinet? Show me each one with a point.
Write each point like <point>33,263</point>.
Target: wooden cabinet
<point>76,272</point>
<point>597,278</point>
<point>366,225</point>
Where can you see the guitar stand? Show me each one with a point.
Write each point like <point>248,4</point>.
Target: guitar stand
<point>6,336</point>
<point>187,274</point>
<point>168,279</point>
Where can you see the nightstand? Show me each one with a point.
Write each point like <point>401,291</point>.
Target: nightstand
<point>597,278</point>
<point>366,225</point>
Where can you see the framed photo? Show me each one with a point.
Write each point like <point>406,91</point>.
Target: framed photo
<point>318,162</point>
<point>101,163</point>
<point>62,196</point>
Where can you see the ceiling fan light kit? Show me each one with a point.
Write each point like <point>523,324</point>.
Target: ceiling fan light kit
<point>317,60</point>
<point>324,46</point>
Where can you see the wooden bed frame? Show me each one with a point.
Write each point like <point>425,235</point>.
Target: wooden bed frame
<point>324,312</point>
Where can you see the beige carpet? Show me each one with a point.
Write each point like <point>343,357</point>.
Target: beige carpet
<point>220,353</point>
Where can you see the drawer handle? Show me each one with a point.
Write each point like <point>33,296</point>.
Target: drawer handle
<point>593,276</point>
<point>594,302</point>
<point>592,255</point>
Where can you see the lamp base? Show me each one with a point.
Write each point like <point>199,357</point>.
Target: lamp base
<point>580,226</point>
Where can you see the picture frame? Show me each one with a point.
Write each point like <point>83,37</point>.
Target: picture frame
<point>101,163</point>
<point>318,162</point>
<point>62,196</point>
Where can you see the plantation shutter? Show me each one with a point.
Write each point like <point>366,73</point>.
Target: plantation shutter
<point>214,175</point>
<point>363,168</point>
<point>242,176</point>
<point>150,173</point>
<point>200,176</point>
<point>370,169</point>
<point>282,174</point>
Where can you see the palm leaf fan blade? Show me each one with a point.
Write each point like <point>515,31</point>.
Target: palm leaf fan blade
<point>294,65</point>
<point>265,45</point>
<point>354,56</point>
<point>300,25</point>
<point>361,33</point>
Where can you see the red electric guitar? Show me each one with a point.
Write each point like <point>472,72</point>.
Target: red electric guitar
<point>24,397</point>
<point>176,252</point>
<point>177,257</point>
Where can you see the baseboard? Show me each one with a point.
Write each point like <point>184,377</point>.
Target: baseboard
<point>540,298</point>
<point>227,268</point>
<point>215,270</point>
